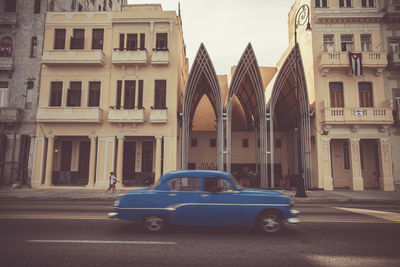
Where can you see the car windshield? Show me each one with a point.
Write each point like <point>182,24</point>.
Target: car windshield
<point>236,183</point>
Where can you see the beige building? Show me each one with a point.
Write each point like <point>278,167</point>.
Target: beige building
<point>353,116</point>
<point>110,96</point>
<point>391,43</point>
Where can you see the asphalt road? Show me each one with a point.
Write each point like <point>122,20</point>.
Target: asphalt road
<point>39,233</point>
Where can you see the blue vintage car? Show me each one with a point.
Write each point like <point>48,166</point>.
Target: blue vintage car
<point>204,198</point>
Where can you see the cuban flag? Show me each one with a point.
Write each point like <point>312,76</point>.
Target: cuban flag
<point>355,63</point>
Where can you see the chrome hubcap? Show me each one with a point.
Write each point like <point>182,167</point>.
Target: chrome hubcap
<point>270,223</point>
<point>154,223</point>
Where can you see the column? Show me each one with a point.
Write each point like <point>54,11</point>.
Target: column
<point>158,158</point>
<point>92,160</point>
<point>120,157</point>
<point>326,164</point>
<point>49,160</point>
<point>38,161</point>
<point>168,158</point>
<point>385,165</point>
<point>358,182</point>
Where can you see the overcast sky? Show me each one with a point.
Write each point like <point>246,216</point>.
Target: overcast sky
<point>227,26</point>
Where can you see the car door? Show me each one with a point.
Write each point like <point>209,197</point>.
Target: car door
<point>221,206</point>
<point>183,200</point>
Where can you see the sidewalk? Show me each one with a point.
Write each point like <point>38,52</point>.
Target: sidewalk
<point>83,194</point>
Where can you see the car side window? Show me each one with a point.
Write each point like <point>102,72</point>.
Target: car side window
<point>216,184</point>
<point>185,184</point>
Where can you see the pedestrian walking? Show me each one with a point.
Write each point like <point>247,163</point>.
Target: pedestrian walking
<point>113,182</point>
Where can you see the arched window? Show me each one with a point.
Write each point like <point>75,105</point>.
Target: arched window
<point>33,46</point>
<point>6,47</point>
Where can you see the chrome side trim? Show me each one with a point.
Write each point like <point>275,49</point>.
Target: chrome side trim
<point>176,206</point>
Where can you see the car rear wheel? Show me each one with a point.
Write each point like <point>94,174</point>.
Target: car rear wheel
<point>270,222</point>
<point>154,223</point>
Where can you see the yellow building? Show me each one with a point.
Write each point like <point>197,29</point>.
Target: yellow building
<point>351,140</point>
<point>110,93</point>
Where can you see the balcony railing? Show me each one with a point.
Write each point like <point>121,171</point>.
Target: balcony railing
<point>73,57</point>
<point>160,56</point>
<point>11,115</point>
<point>340,60</point>
<point>357,116</point>
<point>8,18</point>
<point>120,57</point>
<point>121,115</point>
<point>6,63</point>
<point>69,114</point>
<point>159,115</point>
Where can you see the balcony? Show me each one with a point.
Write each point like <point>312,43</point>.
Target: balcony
<point>73,57</point>
<point>126,115</point>
<point>394,60</point>
<point>160,56</point>
<point>376,61</point>
<point>11,115</point>
<point>129,57</point>
<point>69,114</point>
<point>6,63</point>
<point>357,116</point>
<point>393,8</point>
<point>158,115</point>
<point>8,18</point>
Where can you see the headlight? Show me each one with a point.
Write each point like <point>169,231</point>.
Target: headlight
<point>116,203</point>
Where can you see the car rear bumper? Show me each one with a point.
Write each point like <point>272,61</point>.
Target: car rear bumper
<point>113,215</point>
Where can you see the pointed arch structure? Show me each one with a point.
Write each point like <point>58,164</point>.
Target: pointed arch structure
<point>202,81</point>
<point>247,86</point>
<point>289,107</point>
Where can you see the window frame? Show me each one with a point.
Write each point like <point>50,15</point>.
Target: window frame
<point>94,94</point>
<point>74,94</point>
<point>329,43</point>
<point>59,44</point>
<point>97,43</point>
<point>336,94</point>
<point>346,3</point>
<point>161,41</point>
<point>366,45</point>
<point>160,94</point>
<point>321,3</point>
<point>367,3</point>
<point>366,99</point>
<point>6,46</point>
<point>345,43</point>
<point>56,96</point>
<point>77,39</point>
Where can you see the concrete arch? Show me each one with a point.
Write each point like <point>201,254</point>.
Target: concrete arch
<point>289,93</point>
<point>247,86</point>
<point>202,81</point>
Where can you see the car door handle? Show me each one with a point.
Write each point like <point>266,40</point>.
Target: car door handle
<point>205,195</point>
<point>172,195</point>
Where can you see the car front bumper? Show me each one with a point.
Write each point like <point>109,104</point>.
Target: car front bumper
<point>293,219</point>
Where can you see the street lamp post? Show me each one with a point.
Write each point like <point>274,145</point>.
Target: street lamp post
<point>302,16</point>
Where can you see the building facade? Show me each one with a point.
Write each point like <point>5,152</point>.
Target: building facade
<point>21,35</point>
<point>345,61</point>
<point>110,96</point>
<point>391,43</point>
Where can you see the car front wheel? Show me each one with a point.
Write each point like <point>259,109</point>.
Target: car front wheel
<point>270,222</point>
<point>154,223</point>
